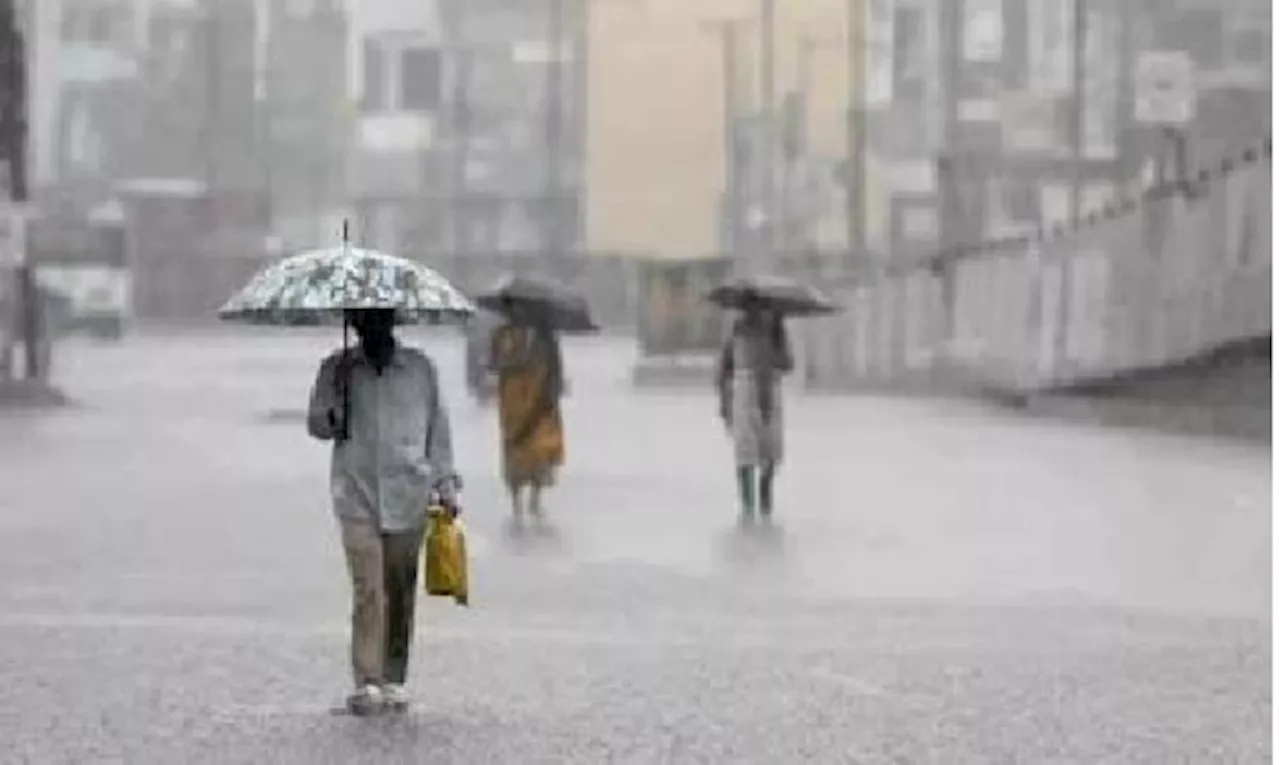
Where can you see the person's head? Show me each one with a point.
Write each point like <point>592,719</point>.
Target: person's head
<point>542,322</point>
<point>517,311</point>
<point>754,310</point>
<point>373,326</point>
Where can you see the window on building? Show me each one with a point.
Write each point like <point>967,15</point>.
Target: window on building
<point>91,24</point>
<point>1014,202</point>
<point>70,25</point>
<point>374,93</point>
<point>400,76</point>
<point>1197,31</point>
<point>168,36</point>
<point>1021,202</point>
<point>1248,40</point>
<point>420,79</point>
<point>100,25</point>
<point>299,8</point>
<point>911,68</point>
<point>1251,45</point>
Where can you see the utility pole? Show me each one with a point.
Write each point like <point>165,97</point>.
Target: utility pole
<point>768,99</point>
<point>1080,41</point>
<point>265,76</point>
<point>793,130</point>
<point>13,153</point>
<point>13,100</point>
<point>1125,164</point>
<point>1079,46</point>
<point>950,210</point>
<point>856,128</point>
<point>552,230</point>
<point>213,123</point>
<point>727,30</point>
<point>809,45</point>
<point>461,124</point>
<point>212,96</point>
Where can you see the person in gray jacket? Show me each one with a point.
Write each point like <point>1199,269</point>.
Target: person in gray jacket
<point>749,372</point>
<point>380,404</point>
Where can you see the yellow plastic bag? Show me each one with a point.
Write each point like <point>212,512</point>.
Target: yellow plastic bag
<point>445,556</point>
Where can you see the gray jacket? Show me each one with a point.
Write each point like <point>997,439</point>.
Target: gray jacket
<point>398,446</point>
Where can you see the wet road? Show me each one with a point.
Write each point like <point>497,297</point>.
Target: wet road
<point>950,585</point>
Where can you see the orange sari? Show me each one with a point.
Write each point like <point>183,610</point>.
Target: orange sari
<point>530,382</point>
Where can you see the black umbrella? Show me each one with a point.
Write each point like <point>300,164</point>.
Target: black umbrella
<point>772,292</point>
<point>526,299</point>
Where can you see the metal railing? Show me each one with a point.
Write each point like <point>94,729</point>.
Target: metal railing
<point>1144,283</point>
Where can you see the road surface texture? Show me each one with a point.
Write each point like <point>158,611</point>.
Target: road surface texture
<point>948,585</point>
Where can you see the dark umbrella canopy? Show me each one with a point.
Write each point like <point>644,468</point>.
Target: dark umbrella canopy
<point>775,293</point>
<point>524,298</point>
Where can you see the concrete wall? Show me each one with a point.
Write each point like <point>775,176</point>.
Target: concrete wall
<point>1146,286</point>
<point>1224,393</point>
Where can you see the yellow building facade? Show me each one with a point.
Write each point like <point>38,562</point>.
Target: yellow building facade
<point>655,137</point>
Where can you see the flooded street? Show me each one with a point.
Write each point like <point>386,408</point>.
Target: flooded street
<point>947,584</point>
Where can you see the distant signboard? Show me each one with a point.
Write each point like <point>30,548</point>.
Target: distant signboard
<point>911,177</point>
<point>1164,88</point>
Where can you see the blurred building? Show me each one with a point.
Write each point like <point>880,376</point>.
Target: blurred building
<point>395,82</point>
<point>656,128</point>
<point>905,120</point>
<point>200,104</point>
<point>1007,161</point>
<point>82,55</point>
<point>125,89</point>
<point>513,153</point>
<point>306,122</point>
<point>969,115</point>
<point>1229,47</point>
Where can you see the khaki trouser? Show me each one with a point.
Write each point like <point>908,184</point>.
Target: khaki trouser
<point>384,578</point>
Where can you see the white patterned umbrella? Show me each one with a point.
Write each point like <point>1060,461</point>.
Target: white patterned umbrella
<point>317,286</point>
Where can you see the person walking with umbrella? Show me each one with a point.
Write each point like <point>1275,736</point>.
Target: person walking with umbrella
<point>527,360</point>
<point>748,378</point>
<point>381,406</point>
<point>479,342</point>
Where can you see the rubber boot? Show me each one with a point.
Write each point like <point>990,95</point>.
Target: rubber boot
<point>766,491</point>
<point>537,511</point>
<point>517,510</point>
<point>746,492</point>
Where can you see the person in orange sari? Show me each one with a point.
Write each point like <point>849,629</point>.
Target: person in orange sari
<point>526,358</point>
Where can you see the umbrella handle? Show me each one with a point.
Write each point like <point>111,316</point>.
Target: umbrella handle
<point>344,380</point>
